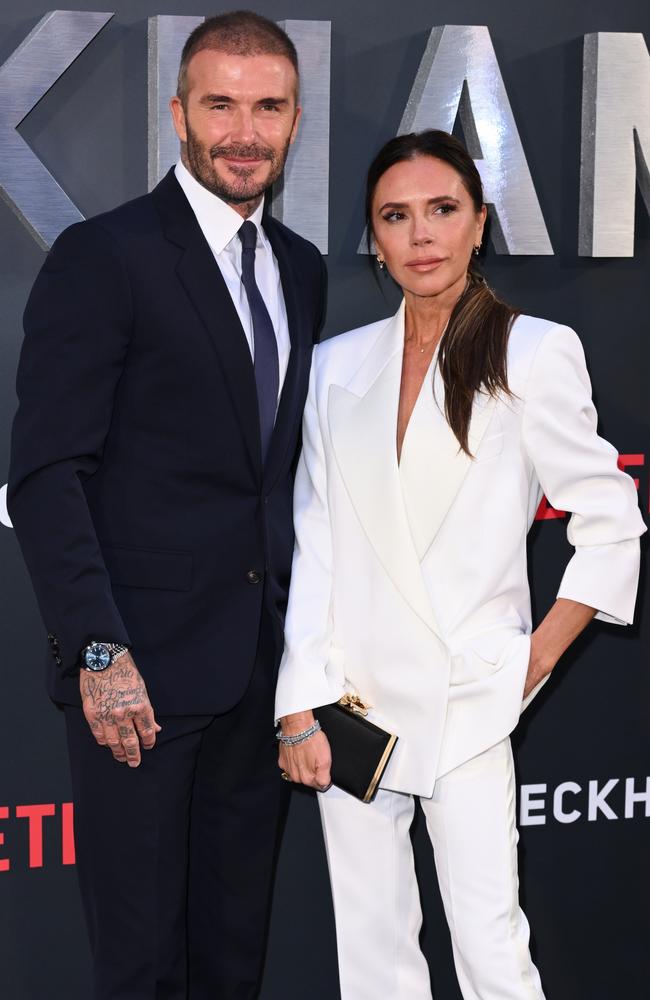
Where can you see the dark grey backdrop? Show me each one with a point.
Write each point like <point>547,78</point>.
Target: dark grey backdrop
<point>585,884</point>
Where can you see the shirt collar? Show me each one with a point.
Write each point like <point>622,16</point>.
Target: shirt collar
<point>219,222</point>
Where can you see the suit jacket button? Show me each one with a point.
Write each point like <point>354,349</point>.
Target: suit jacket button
<point>253,576</point>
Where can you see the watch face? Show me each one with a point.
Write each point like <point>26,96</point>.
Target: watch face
<point>96,656</point>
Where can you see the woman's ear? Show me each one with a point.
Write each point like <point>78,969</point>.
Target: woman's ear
<point>480,224</point>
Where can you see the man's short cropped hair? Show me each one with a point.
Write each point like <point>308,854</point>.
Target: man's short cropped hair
<point>239,33</point>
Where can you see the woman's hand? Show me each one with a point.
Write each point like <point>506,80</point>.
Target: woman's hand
<point>539,666</point>
<point>306,763</point>
<point>563,623</point>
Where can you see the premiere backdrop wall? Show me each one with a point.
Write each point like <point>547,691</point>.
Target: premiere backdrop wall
<point>572,248</point>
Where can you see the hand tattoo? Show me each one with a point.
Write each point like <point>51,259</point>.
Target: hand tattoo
<point>118,693</point>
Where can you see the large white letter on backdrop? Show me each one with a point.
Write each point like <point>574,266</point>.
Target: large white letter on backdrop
<point>459,75</point>
<point>615,141</point>
<point>25,183</point>
<point>166,36</point>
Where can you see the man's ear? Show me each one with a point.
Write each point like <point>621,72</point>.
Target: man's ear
<point>294,129</point>
<point>178,117</point>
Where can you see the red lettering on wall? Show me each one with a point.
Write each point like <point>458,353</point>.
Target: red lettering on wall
<point>68,854</point>
<point>625,460</point>
<point>5,864</point>
<point>546,513</point>
<point>35,816</point>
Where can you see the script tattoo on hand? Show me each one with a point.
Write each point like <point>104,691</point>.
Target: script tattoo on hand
<point>117,708</point>
<point>116,694</point>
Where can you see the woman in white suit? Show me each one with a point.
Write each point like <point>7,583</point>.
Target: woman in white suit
<point>429,439</point>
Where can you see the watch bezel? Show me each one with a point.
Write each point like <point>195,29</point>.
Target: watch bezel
<point>106,651</point>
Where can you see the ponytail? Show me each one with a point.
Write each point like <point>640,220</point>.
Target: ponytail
<point>473,353</point>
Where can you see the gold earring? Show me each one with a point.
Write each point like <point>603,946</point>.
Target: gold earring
<point>381,262</point>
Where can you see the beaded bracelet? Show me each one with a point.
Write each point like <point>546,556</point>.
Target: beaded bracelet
<point>294,741</point>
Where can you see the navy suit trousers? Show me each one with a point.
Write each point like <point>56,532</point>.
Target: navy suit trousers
<point>176,858</point>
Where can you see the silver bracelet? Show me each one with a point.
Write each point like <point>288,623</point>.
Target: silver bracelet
<point>294,741</point>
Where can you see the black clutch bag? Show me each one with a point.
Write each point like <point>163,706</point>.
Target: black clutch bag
<point>360,749</point>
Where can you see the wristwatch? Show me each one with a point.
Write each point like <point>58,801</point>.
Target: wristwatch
<point>98,656</point>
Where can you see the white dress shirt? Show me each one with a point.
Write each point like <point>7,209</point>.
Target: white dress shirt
<point>220,225</point>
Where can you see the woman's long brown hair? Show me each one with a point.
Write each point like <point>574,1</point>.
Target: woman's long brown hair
<point>472,356</point>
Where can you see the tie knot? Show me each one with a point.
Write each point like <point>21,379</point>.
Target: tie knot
<point>248,235</point>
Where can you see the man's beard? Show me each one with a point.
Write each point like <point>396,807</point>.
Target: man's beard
<point>242,188</point>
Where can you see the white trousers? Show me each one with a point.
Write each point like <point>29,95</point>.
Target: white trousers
<point>471,823</point>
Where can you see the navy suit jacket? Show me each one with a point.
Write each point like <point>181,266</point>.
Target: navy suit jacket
<point>136,485</point>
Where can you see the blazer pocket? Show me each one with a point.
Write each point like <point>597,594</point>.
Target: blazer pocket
<point>153,569</point>
<point>482,656</point>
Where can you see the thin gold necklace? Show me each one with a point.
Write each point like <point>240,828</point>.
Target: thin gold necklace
<point>433,341</point>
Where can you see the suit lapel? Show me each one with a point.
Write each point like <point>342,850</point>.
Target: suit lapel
<point>208,293</point>
<point>433,466</point>
<point>290,398</point>
<point>362,419</point>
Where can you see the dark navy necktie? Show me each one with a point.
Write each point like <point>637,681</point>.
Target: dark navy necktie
<point>267,370</point>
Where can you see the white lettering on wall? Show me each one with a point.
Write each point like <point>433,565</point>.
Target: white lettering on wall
<point>558,802</point>
<point>4,513</point>
<point>632,797</point>
<point>530,806</point>
<point>591,801</point>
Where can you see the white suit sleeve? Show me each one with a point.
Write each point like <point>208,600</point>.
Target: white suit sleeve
<point>578,472</point>
<point>307,677</point>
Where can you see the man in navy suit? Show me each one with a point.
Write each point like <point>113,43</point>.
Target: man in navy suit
<point>161,387</point>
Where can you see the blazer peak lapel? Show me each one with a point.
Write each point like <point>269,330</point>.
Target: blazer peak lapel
<point>363,430</point>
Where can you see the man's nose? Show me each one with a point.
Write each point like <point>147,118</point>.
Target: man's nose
<point>243,126</point>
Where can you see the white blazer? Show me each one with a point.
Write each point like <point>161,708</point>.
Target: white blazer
<point>409,581</point>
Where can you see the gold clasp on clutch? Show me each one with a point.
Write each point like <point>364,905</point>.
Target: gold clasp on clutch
<point>353,703</point>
